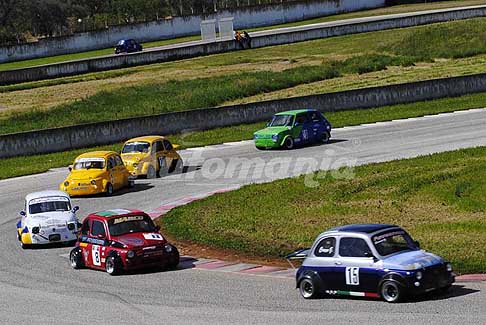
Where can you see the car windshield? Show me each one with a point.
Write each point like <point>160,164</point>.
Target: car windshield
<point>134,147</point>
<point>121,42</point>
<point>393,242</point>
<point>281,120</point>
<point>89,163</point>
<point>130,224</point>
<point>41,207</point>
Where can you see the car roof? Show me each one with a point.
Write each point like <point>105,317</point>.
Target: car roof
<point>41,194</point>
<point>114,213</point>
<point>96,154</point>
<point>296,111</point>
<point>147,138</point>
<point>367,228</point>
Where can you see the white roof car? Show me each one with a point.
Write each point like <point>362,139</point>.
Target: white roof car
<point>48,217</point>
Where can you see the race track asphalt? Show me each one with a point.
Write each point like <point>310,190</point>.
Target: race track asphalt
<point>38,285</point>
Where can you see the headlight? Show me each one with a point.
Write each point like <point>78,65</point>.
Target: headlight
<point>419,275</point>
<point>130,254</point>
<point>135,165</point>
<point>66,183</point>
<point>35,230</point>
<point>328,127</point>
<point>168,248</point>
<point>71,226</point>
<point>93,182</point>
<point>449,267</point>
<point>275,137</point>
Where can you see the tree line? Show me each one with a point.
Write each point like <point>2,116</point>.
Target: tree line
<point>27,20</point>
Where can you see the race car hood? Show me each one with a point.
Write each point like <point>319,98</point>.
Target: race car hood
<point>141,239</point>
<point>271,130</point>
<point>85,174</point>
<point>50,219</point>
<point>411,260</point>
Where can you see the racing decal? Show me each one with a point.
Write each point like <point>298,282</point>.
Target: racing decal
<point>153,236</point>
<point>305,134</point>
<point>95,254</point>
<point>90,159</point>
<point>352,276</point>
<point>96,241</point>
<point>128,218</point>
<point>353,293</point>
<point>132,241</point>
<point>83,244</point>
<point>161,162</point>
<point>48,199</point>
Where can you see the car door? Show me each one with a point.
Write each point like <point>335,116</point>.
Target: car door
<point>110,168</point>
<point>317,125</point>
<point>325,258</point>
<point>159,155</point>
<point>96,248</point>
<point>121,171</point>
<point>169,153</point>
<point>359,271</point>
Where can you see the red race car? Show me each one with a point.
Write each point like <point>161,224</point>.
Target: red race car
<point>122,240</point>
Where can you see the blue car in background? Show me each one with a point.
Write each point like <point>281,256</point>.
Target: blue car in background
<point>370,260</point>
<point>127,46</point>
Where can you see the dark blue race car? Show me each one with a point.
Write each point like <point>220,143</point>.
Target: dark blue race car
<point>370,260</point>
<point>127,46</point>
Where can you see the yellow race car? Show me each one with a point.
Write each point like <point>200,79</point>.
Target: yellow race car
<point>96,172</point>
<point>151,156</point>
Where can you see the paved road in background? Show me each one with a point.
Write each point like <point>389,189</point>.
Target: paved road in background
<point>39,285</point>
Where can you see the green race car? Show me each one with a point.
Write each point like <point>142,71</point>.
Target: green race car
<point>291,128</point>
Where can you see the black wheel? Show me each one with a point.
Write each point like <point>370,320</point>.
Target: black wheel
<point>131,183</point>
<point>109,189</point>
<point>308,289</point>
<point>117,51</point>
<point>113,265</point>
<point>391,291</point>
<point>76,259</point>
<point>174,259</point>
<point>260,148</point>
<point>25,246</point>
<point>151,172</point>
<point>288,143</point>
<point>325,137</point>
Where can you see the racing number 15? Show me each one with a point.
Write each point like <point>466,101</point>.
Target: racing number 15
<point>352,276</point>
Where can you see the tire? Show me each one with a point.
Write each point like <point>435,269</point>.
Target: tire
<point>391,291</point>
<point>288,143</point>
<point>174,260</point>
<point>151,172</point>
<point>260,148</point>
<point>175,166</point>
<point>109,189</point>
<point>308,289</point>
<point>325,137</point>
<point>113,265</point>
<point>76,259</point>
<point>25,246</point>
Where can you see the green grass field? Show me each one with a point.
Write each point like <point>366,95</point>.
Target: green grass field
<point>365,13</point>
<point>18,166</point>
<point>439,199</point>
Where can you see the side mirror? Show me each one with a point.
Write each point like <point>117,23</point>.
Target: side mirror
<point>75,208</point>
<point>296,124</point>
<point>22,213</point>
<point>370,255</point>
<point>417,243</point>
<point>70,167</point>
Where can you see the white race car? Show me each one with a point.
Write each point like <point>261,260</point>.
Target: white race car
<point>47,218</point>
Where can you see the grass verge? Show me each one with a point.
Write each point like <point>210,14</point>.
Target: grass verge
<point>439,199</point>
<point>359,14</point>
<point>19,166</point>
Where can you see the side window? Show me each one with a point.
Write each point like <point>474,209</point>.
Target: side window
<point>353,247</point>
<point>315,117</point>
<point>98,229</point>
<point>167,145</point>
<point>85,228</point>
<point>326,248</point>
<point>118,161</point>
<point>300,119</point>
<point>111,163</point>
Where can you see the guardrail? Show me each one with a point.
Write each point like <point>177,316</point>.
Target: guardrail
<point>85,135</point>
<point>259,39</point>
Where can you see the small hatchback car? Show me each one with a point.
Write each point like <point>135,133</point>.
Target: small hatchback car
<point>151,156</point>
<point>122,240</point>
<point>97,172</point>
<point>47,218</point>
<point>127,46</point>
<point>370,260</point>
<point>291,128</point>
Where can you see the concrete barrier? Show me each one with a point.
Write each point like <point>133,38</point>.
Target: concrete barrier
<point>260,39</point>
<point>248,17</point>
<point>79,136</point>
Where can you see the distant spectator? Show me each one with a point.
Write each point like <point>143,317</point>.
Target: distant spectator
<point>239,39</point>
<point>247,39</point>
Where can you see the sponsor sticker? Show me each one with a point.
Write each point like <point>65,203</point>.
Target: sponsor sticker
<point>128,218</point>
<point>153,236</point>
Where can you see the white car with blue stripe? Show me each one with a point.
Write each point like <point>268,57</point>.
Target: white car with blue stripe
<point>48,217</point>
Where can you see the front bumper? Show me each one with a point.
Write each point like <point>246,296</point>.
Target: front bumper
<point>158,258</point>
<point>266,143</point>
<point>49,235</point>
<point>82,188</point>
<point>434,278</point>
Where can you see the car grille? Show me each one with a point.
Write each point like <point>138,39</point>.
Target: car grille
<point>55,237</point>
<point>435,276</point>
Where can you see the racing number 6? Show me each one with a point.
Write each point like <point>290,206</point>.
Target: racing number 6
<point>352,276</point>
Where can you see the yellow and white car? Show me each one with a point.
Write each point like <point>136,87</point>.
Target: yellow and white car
<point>96,172</point>
<point>151,156</point>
